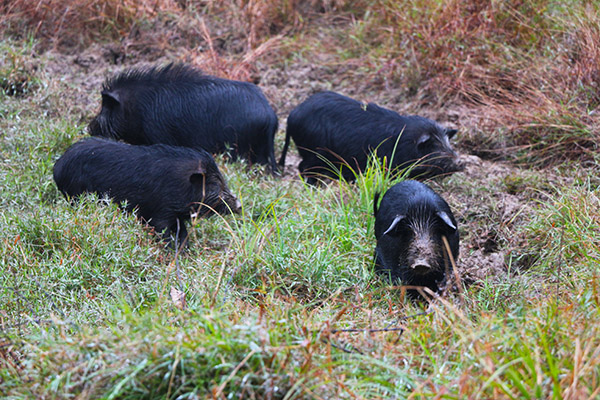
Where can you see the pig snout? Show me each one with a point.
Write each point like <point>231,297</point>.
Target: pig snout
<point>237,207</point>
<point>421,266</point>
<point>458,162</point>
<point>422,252</point>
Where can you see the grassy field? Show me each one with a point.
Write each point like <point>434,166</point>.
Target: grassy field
<point>281,302</point>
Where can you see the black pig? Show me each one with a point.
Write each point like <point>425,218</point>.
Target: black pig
<point>344,132</point>
<point>164,183</point>
<point>409,226</point>
<point>179,106</point>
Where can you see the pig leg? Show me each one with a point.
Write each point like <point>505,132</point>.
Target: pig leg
<point>312,168</point>
<point>174,234</point>
<point>178,233</point>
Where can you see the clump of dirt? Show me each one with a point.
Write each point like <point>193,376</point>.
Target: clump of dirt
<point>488,217</point>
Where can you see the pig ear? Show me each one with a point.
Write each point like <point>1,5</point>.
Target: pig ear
<point>110,99</point>
<point>451,132</point>
<point>446,218</point>
<point>423,139</point>
<point>394,223</point>
<point>198,177</point>
<point>375,201</point>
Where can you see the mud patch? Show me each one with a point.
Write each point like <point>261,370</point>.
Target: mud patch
<point>480,265</point>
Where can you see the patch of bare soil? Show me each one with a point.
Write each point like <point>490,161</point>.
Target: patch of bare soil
<point>491,218</point>
<point>84,72</point>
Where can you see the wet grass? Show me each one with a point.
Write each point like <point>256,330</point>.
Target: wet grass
<point>281,301</point>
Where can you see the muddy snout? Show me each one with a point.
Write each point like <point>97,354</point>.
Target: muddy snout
<point>229,204</point>
<point>459,163</point>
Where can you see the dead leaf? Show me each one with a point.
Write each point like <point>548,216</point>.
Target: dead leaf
<point>178,298</point>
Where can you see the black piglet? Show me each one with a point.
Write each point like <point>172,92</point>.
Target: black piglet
<point>163,183</point>
<point>409,225</point>
<point>179,106</point>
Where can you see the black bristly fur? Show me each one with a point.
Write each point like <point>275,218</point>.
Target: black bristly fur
<point>180,106</point>
<point>415,204</point>
<point>163,183</point>
<point>345,131</point>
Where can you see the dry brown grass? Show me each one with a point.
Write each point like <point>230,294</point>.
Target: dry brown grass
<point>530,69</point>
<point>544,131</point>
<point>69,23</point>
<point>239,67</point>
<point>583,56</point>
<point>531,72</point>
<point>224,38</point>
<point>266,17</point>
<point>255,29</point>
<point>467,50</point>
<point>76,22</point>
<point>545,102</point>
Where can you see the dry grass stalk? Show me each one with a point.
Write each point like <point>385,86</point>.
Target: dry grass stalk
<point>239,68</point>
<point>72,22</point>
